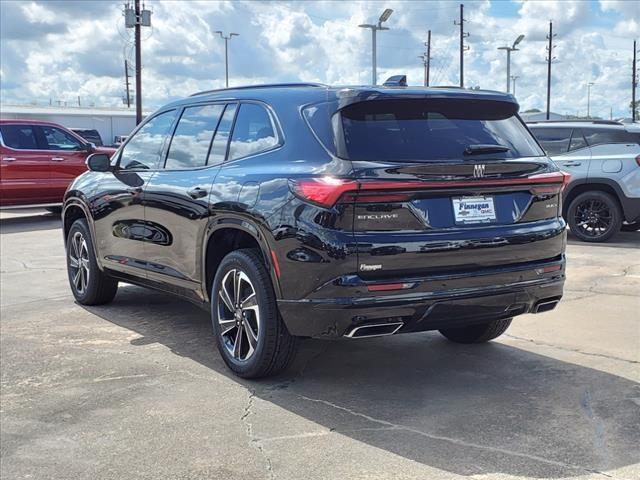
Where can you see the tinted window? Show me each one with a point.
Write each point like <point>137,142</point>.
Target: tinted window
<point>577,140</point>
<point>252,132</point>
<point>555,141</point>
<point>192,138</point>
<point>20,137</point>
<point>435,129</point>
<point>145,147</point>
<point>60,140</point>
<point>596,136</point>
<point>220,141</point>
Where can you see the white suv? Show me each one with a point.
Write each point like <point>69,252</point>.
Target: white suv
<point>603,158</point>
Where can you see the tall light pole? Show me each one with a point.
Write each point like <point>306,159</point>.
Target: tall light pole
<point>509,49</point>
<point>589,85</point>
<point>226,53</point>
<point>374,30</point>
<point>513,79</point>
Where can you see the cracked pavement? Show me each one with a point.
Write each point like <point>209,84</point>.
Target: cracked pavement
<point>136,389</point>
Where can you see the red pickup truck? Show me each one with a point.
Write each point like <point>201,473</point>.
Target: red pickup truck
<point>38,161</point>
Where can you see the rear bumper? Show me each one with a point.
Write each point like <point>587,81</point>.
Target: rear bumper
<point>427,303</point>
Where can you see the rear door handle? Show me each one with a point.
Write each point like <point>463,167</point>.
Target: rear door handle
<point>9,159</point>
<point>197,192</point>
<point>572,164</point>
<point>57,159</point>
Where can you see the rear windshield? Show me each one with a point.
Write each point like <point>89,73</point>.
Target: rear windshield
<point>425,130</point>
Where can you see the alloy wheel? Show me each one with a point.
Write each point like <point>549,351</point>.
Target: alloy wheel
<point>79,262</point>
<point>593,217</point>
<point>238,314</point>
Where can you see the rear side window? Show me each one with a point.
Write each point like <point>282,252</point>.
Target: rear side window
<point>145,147</point>
<point>192,138</point>
<point>253,132</point>
<point>60,140</point>
<point>422,130</point>
<point>19,137</point>
<point>597,136</point>
<point>555,141</point>
<point>577,140</point>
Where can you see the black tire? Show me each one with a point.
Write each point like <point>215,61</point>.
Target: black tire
<point>272,348</point>
<point>594,216</point>
<point>631,227</point>
<point>94,286</point>
<point>54,210</point>
<point>480,333</point>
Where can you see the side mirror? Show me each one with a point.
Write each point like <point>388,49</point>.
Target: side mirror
<point>90,147</point>
<point>99,162</point>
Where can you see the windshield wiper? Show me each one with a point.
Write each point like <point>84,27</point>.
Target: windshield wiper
<point>482,148</point>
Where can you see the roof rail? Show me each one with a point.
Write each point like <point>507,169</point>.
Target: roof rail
<point>578,120</point>
<point>271,85</point>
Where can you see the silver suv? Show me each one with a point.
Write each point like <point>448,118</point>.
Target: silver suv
<point>603,158</point>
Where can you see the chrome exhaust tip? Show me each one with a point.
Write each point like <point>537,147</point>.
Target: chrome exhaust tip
<point>374,330</point>
<point>545,305</point>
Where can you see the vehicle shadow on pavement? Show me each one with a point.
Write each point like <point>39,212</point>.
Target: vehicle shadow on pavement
<point>469,410</point>
<point>30,223</point>
<point>620,240</point>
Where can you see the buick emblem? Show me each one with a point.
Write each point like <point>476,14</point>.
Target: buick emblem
<point>478,170</point>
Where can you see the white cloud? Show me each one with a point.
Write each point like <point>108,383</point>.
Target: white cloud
<point>63,49</point>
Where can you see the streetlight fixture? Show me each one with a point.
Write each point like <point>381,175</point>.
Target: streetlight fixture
<point>513,81</point>
<point>374,30</point>
<point>589,85</point>
<point>226,53</point>
<point>513,48</point>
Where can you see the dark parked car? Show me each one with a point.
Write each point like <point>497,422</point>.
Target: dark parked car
<point>90,135</point>
<point>313,211</point>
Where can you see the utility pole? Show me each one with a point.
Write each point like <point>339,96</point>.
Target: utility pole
<point>634,83</point>
<point>126,82</point>
<point>589,85</point>
<point>374,30</point>
<point>138,65</point>
<point>135,18</point>
<point>226,53</point>
<point>463,47</point>
<point>549,58</point>
<point>513,80</point>
<point>428,58</point>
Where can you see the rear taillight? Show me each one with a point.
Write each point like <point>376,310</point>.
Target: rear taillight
<point>638,160</point>
<point>323,191</point>
<point>326,191</point>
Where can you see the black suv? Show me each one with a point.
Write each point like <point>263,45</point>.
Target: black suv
<point>304,210</point>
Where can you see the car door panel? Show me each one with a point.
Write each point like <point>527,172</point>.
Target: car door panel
<point>24,167</point>
<point>577,159</point>
<point>177,198</point>
<point>119,213</point>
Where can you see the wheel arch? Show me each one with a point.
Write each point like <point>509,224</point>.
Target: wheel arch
<point>232,234</point>
<point>72,210</point>
<point>597,184</point>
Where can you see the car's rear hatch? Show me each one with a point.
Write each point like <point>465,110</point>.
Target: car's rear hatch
<point>445,186</point>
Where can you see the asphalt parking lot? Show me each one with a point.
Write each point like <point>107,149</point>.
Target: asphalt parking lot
<point>136,389</point>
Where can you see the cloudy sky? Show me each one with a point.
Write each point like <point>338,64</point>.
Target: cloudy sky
<point>61,49</point>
